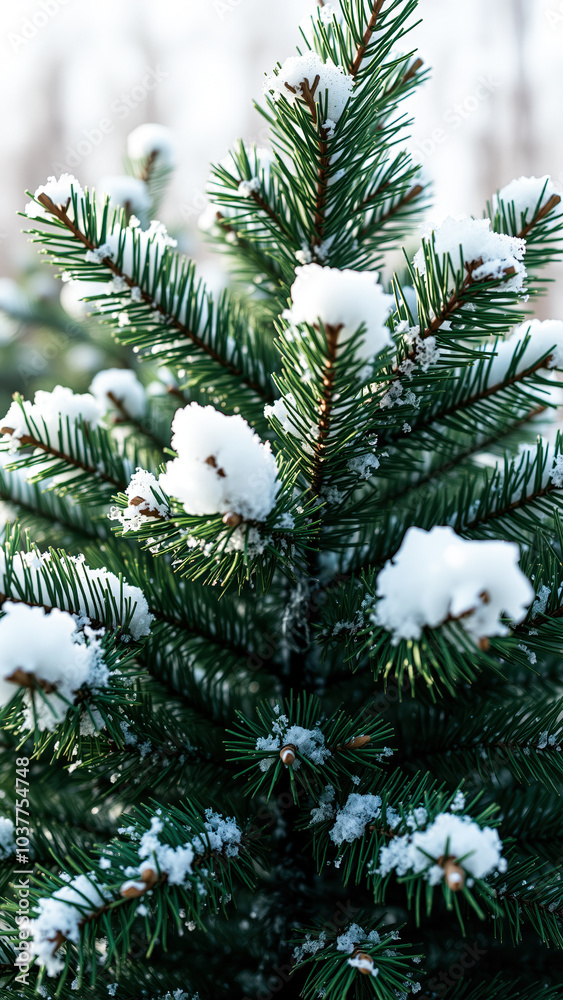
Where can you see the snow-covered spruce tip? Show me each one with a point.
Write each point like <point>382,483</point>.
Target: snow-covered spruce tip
<point>308,77</point>
<point>176,864</point>
<point>145,501</point>
<point>286,741</point>
<point>222,467</point>
<point>119,389</point>
<point>130,192</point>
<point>489,255</point>
<point>62,191</point>
<point>47,651</point>
<point>446,849</point>
<point>343,299</point>
<point>437,576</point>
<point>529,196</point>
<point>60,916</point>
<point>47,417</point>
<point>101,594</point>
<point>349,942</point>
<point>151,142</point>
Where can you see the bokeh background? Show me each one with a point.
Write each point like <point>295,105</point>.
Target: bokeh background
<point>77,75</point>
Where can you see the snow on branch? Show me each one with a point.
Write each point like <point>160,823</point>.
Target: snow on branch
<point>222,466</point>
<point>136,268</point>
<point>436,577</point>
<point>346,300</point>
<point>177,848</point>
<point>486,255</point>
<point>47,654</point>
<point>50,580</point>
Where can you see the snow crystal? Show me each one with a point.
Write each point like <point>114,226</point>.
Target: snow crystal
<point>437,575</point>
<point>477,849</point>
<point>556,474</point>
<point>344,299</point>
<point>261,160</point>
<point>222,466</point>
<point>60,192</point>
<point>299,70</point>
<point>7,842</point>
<point>123,385</point>
<point>50,649</point>
<point>63,912</point>
<point>540,603</point>
<point>364,466</point>
<point>497,251</point>
<point>144,502</point>
<point>310,743</point>
<point>458,804</point>
<point>529,195</point>
<point>150,139</point>
<point>310,946</point>
<point>129,192</point>
<point>32,570</point>
<point>354,816</point>
<point>49,412</point>
<point>325,808</point>
<point>353,936</point>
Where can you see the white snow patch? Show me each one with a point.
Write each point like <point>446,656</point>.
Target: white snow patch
<point>436,575</point>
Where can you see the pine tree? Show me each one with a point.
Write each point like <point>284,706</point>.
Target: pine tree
<point>280,639</point>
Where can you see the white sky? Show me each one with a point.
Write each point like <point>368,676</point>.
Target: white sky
<point>491,111</point>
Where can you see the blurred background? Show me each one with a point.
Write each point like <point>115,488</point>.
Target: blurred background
<point>78,75</point>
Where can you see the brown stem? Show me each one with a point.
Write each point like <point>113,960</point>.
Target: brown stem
<point>362,47</point>
<point>325,408</point>
<point>28,440</point>
<point>61,214</point>
<point>392,211</point>
<point>553,201</point>
<point>263,204</point>
<point>148,167</point>
<point>515,505</point>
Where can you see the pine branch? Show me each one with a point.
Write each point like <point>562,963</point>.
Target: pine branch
<point>362,47</point>
<point>61,214</point>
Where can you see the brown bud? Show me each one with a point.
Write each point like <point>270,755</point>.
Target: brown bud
<point>365,958</point>
<point>484,644</point>
<point>357,743</point>
<point>454,873</point>
<point>25,438</point>
<point>57,941</point>
<point>147,880</point>
<point>212,461</point>
<point>232,520</point>
<point>288,754</point>
<point>30,681</point>
<point>148,511</point>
